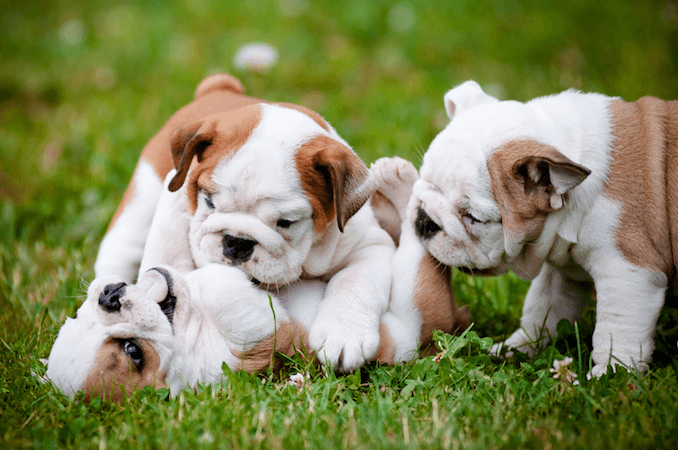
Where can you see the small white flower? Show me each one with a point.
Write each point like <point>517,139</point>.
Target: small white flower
<point>255,57</point>
<point>561,370</point>
<point>298,380</point>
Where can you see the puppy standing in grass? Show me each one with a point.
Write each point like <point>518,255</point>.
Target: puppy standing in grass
<point>574,190</point>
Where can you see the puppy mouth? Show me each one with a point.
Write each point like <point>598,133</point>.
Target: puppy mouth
<point>169,303</point>
<point>477,272</point>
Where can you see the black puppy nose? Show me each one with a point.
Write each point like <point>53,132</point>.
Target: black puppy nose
<point>424,226</point>
<point>238,249</point>
<point>109,299</point>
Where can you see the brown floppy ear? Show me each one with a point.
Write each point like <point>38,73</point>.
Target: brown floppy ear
<point>551,175</point>
<point>335,179</point>
<point>529,180</point>
<point>188,141</point>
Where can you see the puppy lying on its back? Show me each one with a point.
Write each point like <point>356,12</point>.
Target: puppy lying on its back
<point>574,190</point>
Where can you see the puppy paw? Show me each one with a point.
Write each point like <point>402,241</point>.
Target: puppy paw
<point>395,178</point>
<point>343,346</point>
<point>599,370</point>
<point>519,340</point>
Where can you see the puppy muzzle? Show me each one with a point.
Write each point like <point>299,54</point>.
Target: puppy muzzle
<point>238,250</point>
<point>424,226</point>
<point>110,296</point>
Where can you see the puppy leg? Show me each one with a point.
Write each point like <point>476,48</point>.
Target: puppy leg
<point>123,245</point>
<point>346,331</point>
<point>629,300</point>
<point>167,242</point>
<point>551,297</point>
<point>421,291</point>
<point>421,301</point>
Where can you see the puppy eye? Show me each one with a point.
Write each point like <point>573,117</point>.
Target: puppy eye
<point>133,350</point>
<point>284,223</point>
<point>472,220</point>
<point>208,200</point>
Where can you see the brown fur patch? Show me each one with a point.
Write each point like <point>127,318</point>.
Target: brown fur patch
<point>387,215</point>
<point>524,202</point>
<point>157,151</point>
<point>387,349</point>
<point>210,140</point>
<point>335,180</point>
<point>309,112</point>
<point>289,337</point>
<point>434,299</point>
<point>114,369</point>
<point>644,180</point>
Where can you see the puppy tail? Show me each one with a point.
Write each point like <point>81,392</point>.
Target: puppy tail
<point>220,82</point>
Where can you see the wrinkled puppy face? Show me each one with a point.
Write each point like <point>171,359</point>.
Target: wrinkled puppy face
<point>121,335</point>
<point>488,180</point>
<point>266,182</point>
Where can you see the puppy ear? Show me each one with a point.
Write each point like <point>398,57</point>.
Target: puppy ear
<point>466,96</point>
<point>551,175</point>
<point>155,283</point>
<point>529,180</point>
<point>335,179</point>
<point>188,141</point>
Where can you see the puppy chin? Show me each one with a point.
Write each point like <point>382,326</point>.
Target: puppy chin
<point>261,266</point>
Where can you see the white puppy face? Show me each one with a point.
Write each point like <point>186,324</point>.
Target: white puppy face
<point>268,182</point>
<point>488,180</point>
<point>122,334</point>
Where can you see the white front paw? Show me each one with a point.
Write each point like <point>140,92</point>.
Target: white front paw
<point>600,369</point>
<point>343,345</point>
<point>520,341</point>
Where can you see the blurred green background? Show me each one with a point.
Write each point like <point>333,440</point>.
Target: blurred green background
<point>84,85</point>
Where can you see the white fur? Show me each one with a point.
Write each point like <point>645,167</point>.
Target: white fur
<point>256,187</point>
<point>74,352</point>
<point>218,311</point>
<point>123,245</point>
<point>167,242</point>
<point>576,246</point>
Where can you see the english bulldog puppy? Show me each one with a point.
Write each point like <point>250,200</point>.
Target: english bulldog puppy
<point>273,190</point>
<point>176,330</point>
<point>574,191</point>
<point>421,301</point>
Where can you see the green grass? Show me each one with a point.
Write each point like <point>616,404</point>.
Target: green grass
<point>84,85</point>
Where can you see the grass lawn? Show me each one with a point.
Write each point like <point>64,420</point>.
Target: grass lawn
<point>84,85</point>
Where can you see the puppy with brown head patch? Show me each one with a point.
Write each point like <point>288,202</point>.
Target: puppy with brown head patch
<point>574,190</point>
<point>174,330</point>
<point>273,190</point>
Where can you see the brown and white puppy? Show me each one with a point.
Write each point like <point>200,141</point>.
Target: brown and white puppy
<point>176,330</point>
<point>270,189</point>
<point>578,190</point>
